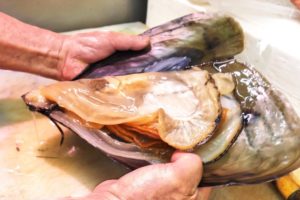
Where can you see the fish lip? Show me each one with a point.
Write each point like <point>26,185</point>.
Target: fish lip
<point>36,108</point>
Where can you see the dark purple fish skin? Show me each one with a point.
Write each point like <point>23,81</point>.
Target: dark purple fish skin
<point>176,45</point>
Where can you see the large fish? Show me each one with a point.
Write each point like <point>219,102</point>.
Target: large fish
<point>185,92</point>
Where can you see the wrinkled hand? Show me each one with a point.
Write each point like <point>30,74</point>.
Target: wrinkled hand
<point>85,48</point>
<point>176,180</point>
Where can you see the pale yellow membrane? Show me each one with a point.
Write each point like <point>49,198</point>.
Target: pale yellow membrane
<point>224,83</point>
<point>188,100</point>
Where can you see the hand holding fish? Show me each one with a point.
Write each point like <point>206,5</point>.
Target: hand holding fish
<point>39,51</point>
<point>176,180</point>
<point>78,51</point>
<point>34,50</point>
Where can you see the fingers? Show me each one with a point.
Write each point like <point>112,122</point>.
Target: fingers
<point>123,42</point>
<point>176,180</point>
<point>187,168</point>
<point>104,185</point>
<point>189,165</point>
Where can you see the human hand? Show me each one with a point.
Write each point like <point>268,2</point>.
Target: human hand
<point>296,3</point>
<point>176,180</point>
<point>82,49</point>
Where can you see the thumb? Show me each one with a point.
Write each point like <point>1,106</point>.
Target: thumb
<point>188,167</point>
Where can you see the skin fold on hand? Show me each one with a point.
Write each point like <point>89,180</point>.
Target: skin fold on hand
<point>177,180</point>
